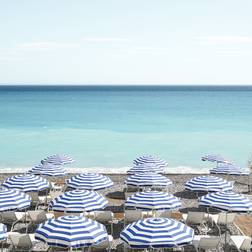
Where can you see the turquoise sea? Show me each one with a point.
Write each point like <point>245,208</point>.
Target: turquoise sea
<point>108,126</point>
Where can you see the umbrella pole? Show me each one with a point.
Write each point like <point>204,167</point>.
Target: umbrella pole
<point>225,244</point>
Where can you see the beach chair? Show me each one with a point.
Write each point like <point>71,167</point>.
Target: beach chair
<point>57,186</point>
<point>39,200</point>
<point>132,215</point>
<point>242,242</point>
<point>206,242</point>
<point>163,214</point>
<point>196,219</point>
<point>222,219</point>
<point>128,194</point>
<point>53,194</point>
<point>103,246</point>
<point>37,217</point>
<point>23,242</point>
<point>12,218</point>
<point>106,217</point>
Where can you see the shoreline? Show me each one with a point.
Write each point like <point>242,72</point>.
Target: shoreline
<point>114,170</point>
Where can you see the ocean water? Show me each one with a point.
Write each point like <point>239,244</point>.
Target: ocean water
<point>107,127</point>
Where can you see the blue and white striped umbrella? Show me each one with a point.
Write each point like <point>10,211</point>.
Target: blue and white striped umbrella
<point>48,169</point>
<point>3,232</point>
<point>77,201</point>
<point>58,159</point>
<point>71,232</point>
<point>12,200</point>
<point>153,200</point>
<point>230,169</point>
<point>228,201</point>
<point>157,233</point>
<point>148,179</point>
<point>89,181</point>
<point>208,183</point>
<point>215,158</point>
<point>149,159</point>
<point>146,167</point>
<point>26,183</point>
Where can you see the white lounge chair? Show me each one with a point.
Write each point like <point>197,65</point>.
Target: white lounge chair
<point>128,194</point>
<point>53,194</point>
<point>37,217</point>
<point>105,245</point>
<point>39,200</point>
<point>206,242</point>
<point>13,218</point>
<point>163,214</point>
<point>242,242</point>
<point>58,186</point>
<point>222,219</point>
<point>194,218</point>
<point>132,215</point>
<point>106,217</point>
<point>23,242</point>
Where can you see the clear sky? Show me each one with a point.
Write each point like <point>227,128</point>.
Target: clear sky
<point>126,42</point>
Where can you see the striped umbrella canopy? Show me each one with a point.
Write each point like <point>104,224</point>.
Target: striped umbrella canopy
<point>12,200</point>
<point>148,179</point>
<point>209,184</point>
<point>149,159</point>
<point>26,182</point>
<point>146,167</point>
<point>3,232</point>
<point>215,158</point>
<point>230,169</point>
<point>228,201</point>
<point>77,201</point>
<point>153,200</point>
<point>48,169</point>
<point>89,181</point>
<point>71,232</point>
<point>58,159</point>
<point>157,233</point>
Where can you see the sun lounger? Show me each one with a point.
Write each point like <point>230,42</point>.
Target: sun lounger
<point>132,215</point>
<point>196,219</point>
<point>39,200</point>
<point>242,242</point>
<point>206,242</point>
<point>163,214</point>
<point>37,217</point>
<point>12,218</point>
<point>105,217</point>
<point>22,242</point>
<point>222,219</point>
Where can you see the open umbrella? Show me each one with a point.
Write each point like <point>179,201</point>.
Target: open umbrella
<point>157,233</point>
<point>71,232</point>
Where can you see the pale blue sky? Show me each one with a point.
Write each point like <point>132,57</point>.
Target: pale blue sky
<point>126,42</point>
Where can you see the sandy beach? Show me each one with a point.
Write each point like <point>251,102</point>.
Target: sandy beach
<point>116,198</point>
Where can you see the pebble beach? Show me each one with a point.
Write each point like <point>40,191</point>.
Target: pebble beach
<point>116,198</point>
